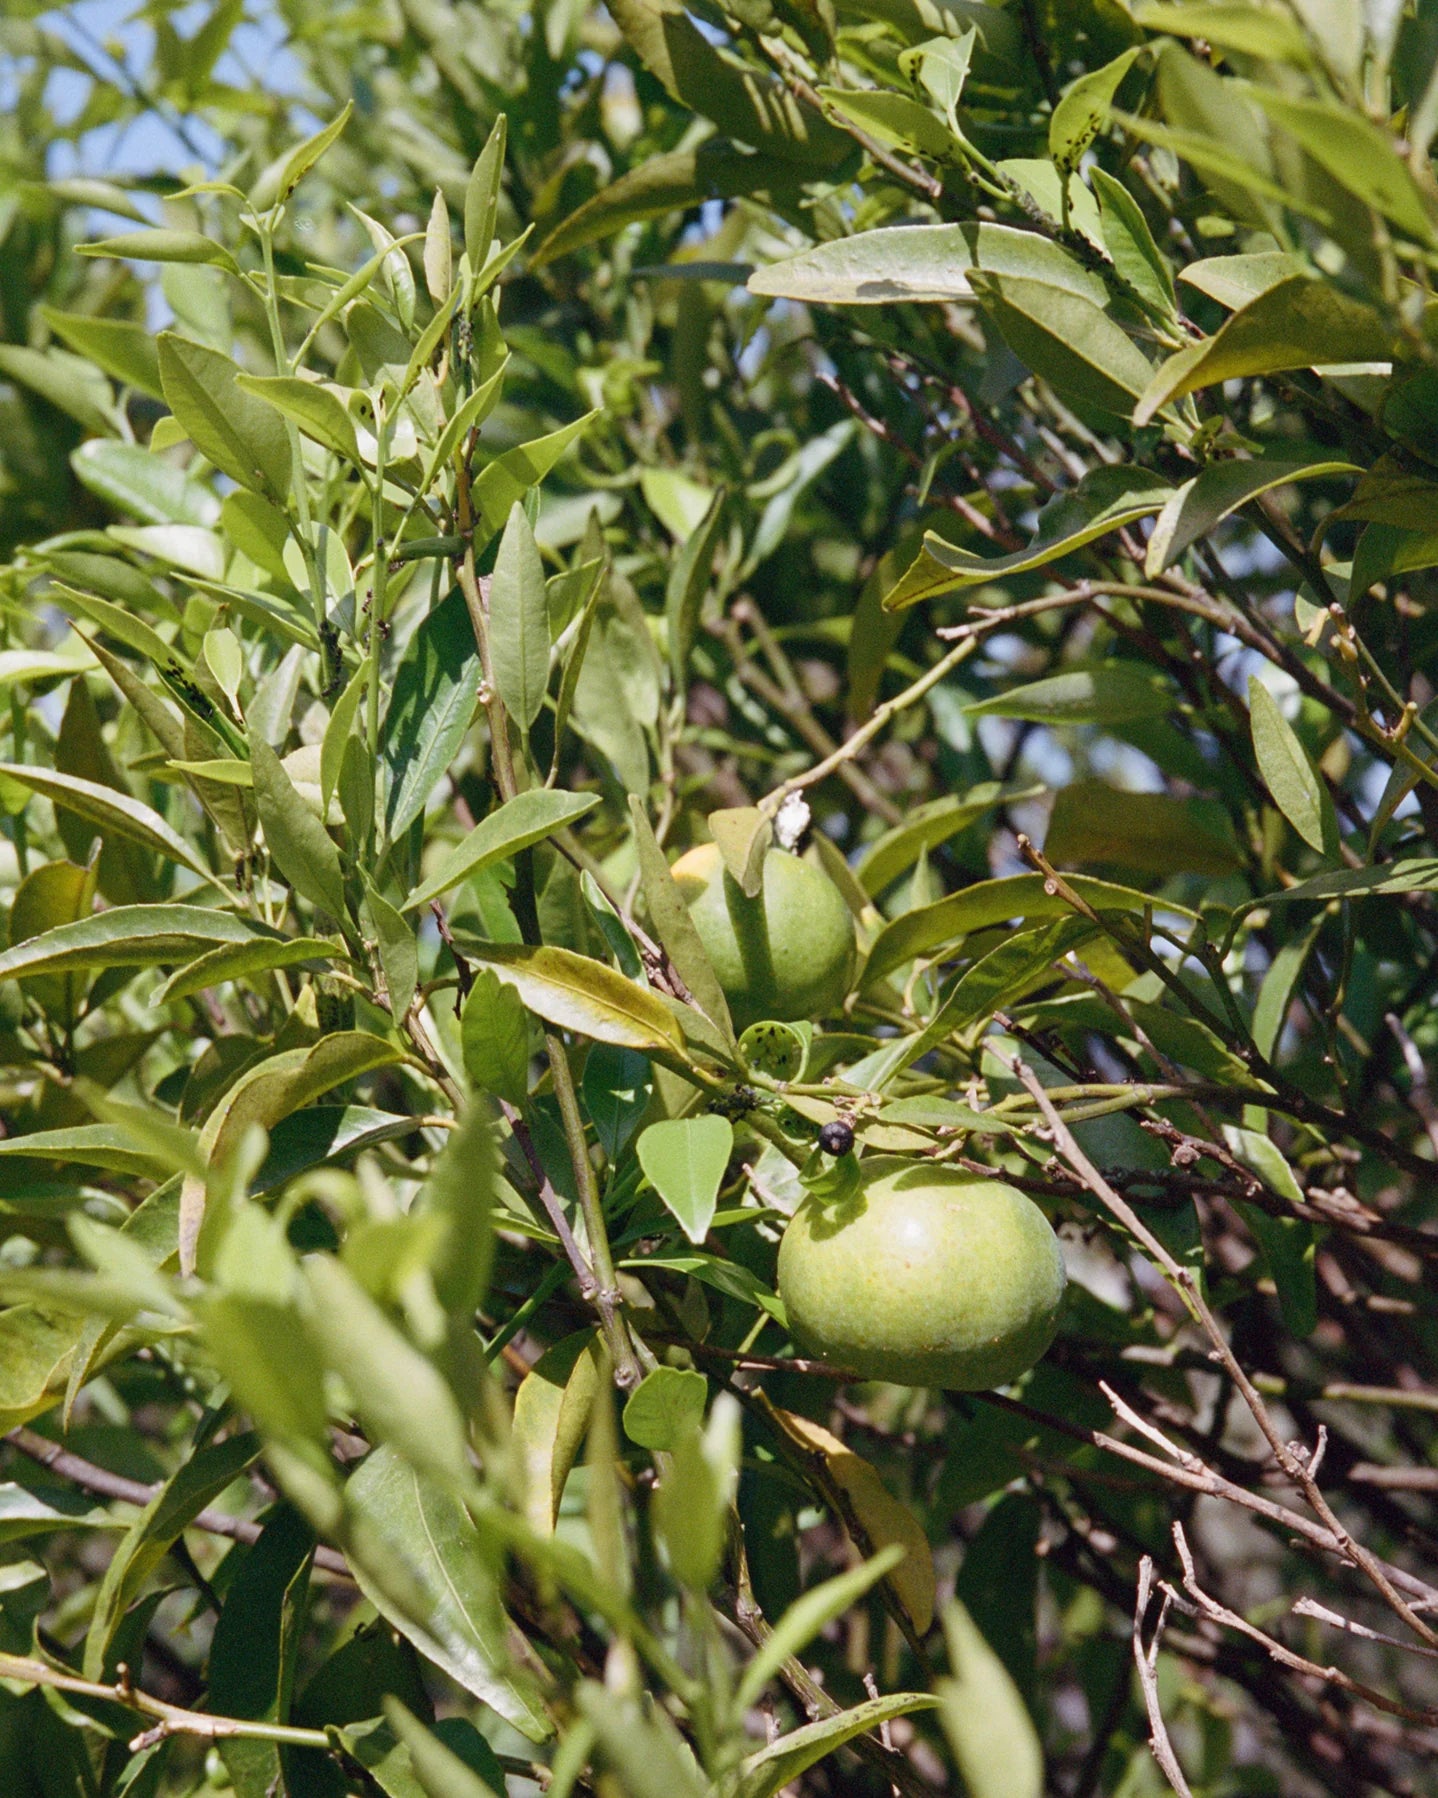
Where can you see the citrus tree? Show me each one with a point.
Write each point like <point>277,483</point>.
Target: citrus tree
<point>718,812</point>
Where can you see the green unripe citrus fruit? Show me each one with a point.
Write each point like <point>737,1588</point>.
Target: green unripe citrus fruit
<point>787,953</point>
<point>926,1276</point>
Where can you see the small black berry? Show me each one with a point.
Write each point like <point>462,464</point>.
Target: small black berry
<point>836,1138</point>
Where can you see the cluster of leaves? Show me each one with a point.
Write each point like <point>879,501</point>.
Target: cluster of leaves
<point>390,1210</point>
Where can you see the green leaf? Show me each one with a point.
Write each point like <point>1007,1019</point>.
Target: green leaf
<point>86,1145</point>
<point>688,582</point>
<point>201,1480</point>
<point>398,952</point>
<point>324,1133</point>
<point>1235,280</point>
<point>589,997</point>
<point>461,1626</point>
<point>1067,340</point>
<point>1289,774</point>
<point>895,120</point>
<point>240,434</point>
<point>989,1729</point>
<point>1105,500</point>
<point>925,827</point>
<point>1255,31</point>
<point>130,936</point>
<point>438,251</point>
<point>804,1619</point>
<point>526,819</point>
<point>666,1406</point>
<point>481,196</point>
<point>1359,154</point>
<point>67,382</point>
<point>990,902</point>
<point>1114,693</point>
<point>1130,243</point>
<point>398,1393</point>
<point>665,183</point>
<point>439,1770</point>
<point>674,927</point>
<point>1149,833</point>
<point>617,1087</point>
<point>494,1038</point>
<point>299,845</point>
<point>317,411</point>
<point>435,692</point>
<point>742,102</point>
<point>922,262</point>
<point>132,480</point>
<point>519,622</point>
<point>338,732</point>
<point>743,834</point>
<point>770,1769</point>
<point>552,1409</point>
<point>1083,110</point>
<point>126,351</point>
<point>510,476</point>
<point>163,246</point>
<point>108,809</point>
<point>1208,498</point>
<point>684,1160</point>
<point>281,178</point>
<point>1297,323</point>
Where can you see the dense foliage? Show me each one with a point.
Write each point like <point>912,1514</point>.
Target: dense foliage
<point>488,451</point>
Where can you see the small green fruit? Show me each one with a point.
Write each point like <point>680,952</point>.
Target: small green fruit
<point>788,953</point>
<point>927,1276</point>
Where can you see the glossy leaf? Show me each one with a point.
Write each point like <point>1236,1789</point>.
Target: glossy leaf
<point>516,825</point>
<point>576,993</point>
<point>299,845</point>
<point>1291,777</point>
<point>684,1160</point>
<point>108,809</point>
<point>433,699</point>
<point>240,434</point>
<point>984,1717</point>
<point>519,622</point>
<point>494,1034</point>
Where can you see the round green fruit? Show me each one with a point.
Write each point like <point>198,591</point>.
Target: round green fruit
<point>787,953</point>
<point>926,1276</point>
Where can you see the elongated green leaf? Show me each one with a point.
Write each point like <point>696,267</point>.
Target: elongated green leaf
<point>1359,154</point>
<point>1114,693</point>
<point>494,1038</point>
<point>1104,500</point>
<point>133,481</point>
<point>1149,833</point>
<point>130,936</point>
<point>163,246</point>
<point>299,845</point>
<point>526,819</point>
<point>806,1617</point>
<point>481,196</point>
<point>743,103</point>
<point>674,927</point>
<point>322,1133</point>
<point>688,582</point>
<point>398,952</point>
<point>461,1626</point>
<point>65,381</point>
<point>617,1087</point>
<point>1254,30</point>
<point>770,1769</point>
<point>317,411</point>
<point>1130,243</point>
<point>280,180</point>
<point>988,1727</point>
<point>1206,500</point>
<point>990,902</point>
<point>126,351</point>
<point>1297,323</point>
<point>1083,110</point>
<point>666,1407</point>
<point>1289,774</point>
<point>519,622</point>
<point>179,1501</point>
<point>585,996</point>
<point>684,1160</point>
<point>898,121</point>
<point>240,434</point>
<point>108,809</point>
<point>1068,340</point>
<point>238,961</point>
<point>398,1393</point>
<point>511,475</point>
<point>658,184</point>
<point>925,827</point>
<point>434,696</point>
<point>441,1772</point>
<point>922,262</point>
<point>87,1145</point>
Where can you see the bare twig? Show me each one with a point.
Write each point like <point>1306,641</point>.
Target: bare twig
<point>1145,1658</point>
